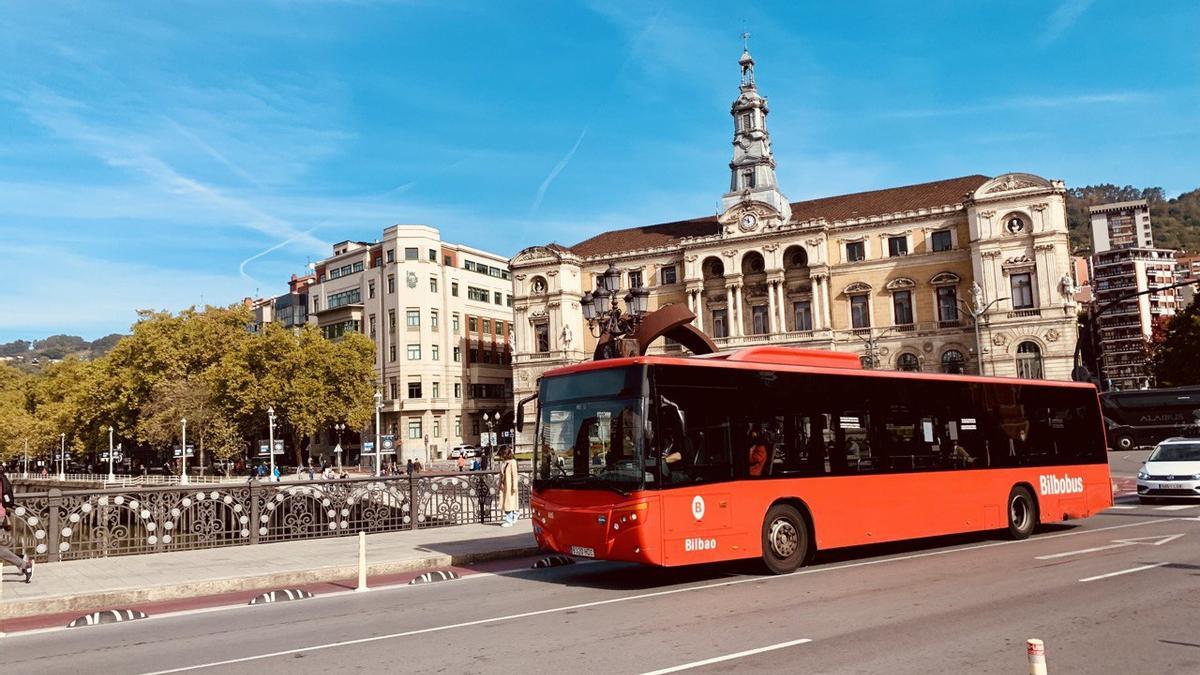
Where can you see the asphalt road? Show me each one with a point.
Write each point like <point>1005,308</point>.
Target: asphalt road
<point>1116,593</point>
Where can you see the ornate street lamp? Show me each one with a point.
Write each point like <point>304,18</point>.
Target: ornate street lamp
<point>183,478</point>
<point>605,318</point>
<point>339,428</point>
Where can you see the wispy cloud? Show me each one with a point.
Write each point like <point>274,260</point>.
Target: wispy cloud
<point>1061,20</point>
<point>1021,103</point>
<point>562,164</point>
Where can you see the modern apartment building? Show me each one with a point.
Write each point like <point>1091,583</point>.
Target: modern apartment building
<point>440,315</point>
<point>1187,267</point>
<point>1121,225</point>
<point>1124,263</point>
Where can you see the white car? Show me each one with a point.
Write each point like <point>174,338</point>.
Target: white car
<point>465,451</point>
<point>1171,470</point>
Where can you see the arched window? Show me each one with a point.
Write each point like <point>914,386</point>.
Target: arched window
<point>908,361</point>
<point>1029,361</point>
<point>952,362</point>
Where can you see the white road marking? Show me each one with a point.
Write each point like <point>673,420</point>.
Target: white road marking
<point>1176,507</point>
<point>728,657</point>
<point>1117,543</point>
<point>1128,571</point>
<point>656,594</point>
<point>1122,506</point>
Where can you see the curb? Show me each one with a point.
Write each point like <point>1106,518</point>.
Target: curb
<point>21,609</point>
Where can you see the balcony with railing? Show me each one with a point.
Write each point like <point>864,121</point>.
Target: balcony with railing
<point>1029,312</point>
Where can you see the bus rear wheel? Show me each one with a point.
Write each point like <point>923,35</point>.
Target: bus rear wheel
<point>1022,513</point>
<point>1125,443</point>
<point>784,539</point>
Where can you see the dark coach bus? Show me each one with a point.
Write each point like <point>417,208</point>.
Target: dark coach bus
<point>1147,416</point>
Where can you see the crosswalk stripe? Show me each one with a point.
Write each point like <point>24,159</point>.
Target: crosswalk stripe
<point>1176,507</point>
<point>1123,506</point>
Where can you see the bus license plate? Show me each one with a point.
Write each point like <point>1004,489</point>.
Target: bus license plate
<point>583,552</point>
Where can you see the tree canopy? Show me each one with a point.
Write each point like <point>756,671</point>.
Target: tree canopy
<point>202,365</point>
<point>1174,361</point>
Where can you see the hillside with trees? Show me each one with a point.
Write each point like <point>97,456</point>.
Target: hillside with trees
<point>1176,221</point>
<point>58,347</point>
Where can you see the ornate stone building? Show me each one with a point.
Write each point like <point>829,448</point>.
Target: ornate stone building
<point>896,275</point>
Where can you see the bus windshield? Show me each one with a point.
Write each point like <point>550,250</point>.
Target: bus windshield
<point>590,431</point>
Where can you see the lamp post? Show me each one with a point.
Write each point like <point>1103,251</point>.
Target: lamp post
<point>25,473</point>
<point>490,422</point>
<point>872,345</point>
<point>183,477</point>
<point>976,311</point>
<point>62,457</point>
<point>378,447</point>
<point>339,428</point>
<point>111,475</point>
<point>271,440</point>
<point>604,315</point>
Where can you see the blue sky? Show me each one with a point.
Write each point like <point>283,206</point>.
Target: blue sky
<point>158,155</point>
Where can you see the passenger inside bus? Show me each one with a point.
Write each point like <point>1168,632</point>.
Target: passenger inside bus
<point>758,465</point>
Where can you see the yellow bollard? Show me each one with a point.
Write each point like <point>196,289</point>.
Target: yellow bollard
<point>362,562</point>
<point>1036,650</point>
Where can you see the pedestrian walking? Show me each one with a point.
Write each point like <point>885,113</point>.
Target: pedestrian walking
<point>509,500</point>
<point>24,564</point>
<point>409,467</point>
<point>6,490</point>
<point>461,462</point>
<point>418,466</point>
<point>275,475</point>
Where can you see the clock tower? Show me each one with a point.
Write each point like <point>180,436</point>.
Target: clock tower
<point>754,199</point>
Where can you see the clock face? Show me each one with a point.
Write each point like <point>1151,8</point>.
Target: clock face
<point>749,221</point>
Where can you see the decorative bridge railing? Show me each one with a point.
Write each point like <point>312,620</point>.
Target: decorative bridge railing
<point>75,524</point>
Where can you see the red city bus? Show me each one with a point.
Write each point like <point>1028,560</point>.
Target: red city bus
<point>776,452</point>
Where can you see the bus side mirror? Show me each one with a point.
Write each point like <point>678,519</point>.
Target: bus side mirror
<point>521,411</point>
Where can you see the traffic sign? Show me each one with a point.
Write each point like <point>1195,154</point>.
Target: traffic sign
<point>388,443</point>
<point>368,447</point>
<point>279,446</point>
<point>191,450</point>
<point>264,449</point>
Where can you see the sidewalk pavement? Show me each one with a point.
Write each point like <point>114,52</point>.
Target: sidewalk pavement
<point>100,583</point>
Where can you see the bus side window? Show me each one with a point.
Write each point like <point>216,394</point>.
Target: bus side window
<point>851,452</point>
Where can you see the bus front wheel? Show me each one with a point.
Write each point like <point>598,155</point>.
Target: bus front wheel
<point>1022,513</point>
<point>784,539</point>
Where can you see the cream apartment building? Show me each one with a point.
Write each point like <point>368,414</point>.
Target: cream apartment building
<point>898,275</point>
<point>440,315</point>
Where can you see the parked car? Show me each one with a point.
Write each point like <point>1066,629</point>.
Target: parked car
<point>464,451</point>
<point>1171,470</point>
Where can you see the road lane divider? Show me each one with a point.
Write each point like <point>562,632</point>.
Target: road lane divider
<point>107,616</point>
<point>729,657</point>
<point>1140,568</point>
<point>1117,543</point>
<point>434,576</point>
<point>1176,507</point>
<point>282,595</point>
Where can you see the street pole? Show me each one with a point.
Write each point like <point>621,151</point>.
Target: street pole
<point>183,477</point>
<point>62,456</point>
<point>25,473</point>
<point>271,440</point>
<point>378,447</point>
<point>111,475</point>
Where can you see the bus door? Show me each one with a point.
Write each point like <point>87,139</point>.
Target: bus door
<point>697,504</point>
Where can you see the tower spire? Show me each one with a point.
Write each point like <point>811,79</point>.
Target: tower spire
<point>753,165</point>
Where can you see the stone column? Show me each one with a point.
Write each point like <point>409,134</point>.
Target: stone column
<point>772,305</point>
<point>700,310</point>
<point>817,306</point>
<point>781,304</point>
<point>739,323</point>
<point>826,300</point>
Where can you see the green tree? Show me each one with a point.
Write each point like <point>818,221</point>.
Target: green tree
<point>1175,362</point>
